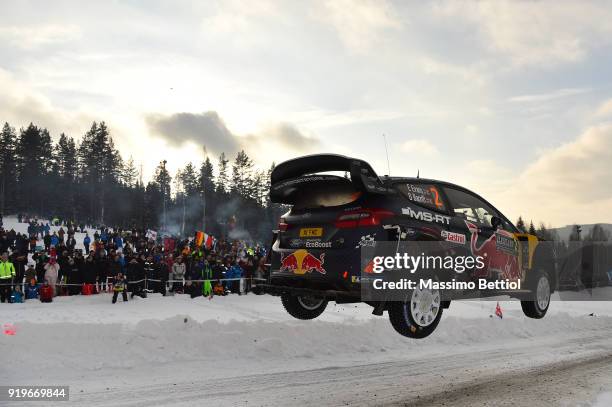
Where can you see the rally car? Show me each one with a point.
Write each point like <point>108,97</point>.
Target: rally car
<point>339,205</point>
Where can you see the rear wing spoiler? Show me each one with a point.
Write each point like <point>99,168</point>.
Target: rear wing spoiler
<point>363,176</point>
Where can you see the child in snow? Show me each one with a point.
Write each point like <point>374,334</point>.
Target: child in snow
<point>31,291</point>
<point>16,295</point>
<point>119,286</point>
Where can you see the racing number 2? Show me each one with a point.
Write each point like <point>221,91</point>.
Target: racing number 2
<point>436,194</point>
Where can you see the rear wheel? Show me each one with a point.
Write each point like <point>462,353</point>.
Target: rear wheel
<point>540,291</point>
<point>419,316</point>
<point>303,307</point>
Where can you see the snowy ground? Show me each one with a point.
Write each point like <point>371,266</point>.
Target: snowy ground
<point>174,349</point>
<point>245,350</point>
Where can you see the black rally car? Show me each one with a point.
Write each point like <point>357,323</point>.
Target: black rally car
<point>316,251</point>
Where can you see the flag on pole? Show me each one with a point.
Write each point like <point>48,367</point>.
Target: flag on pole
<point>498,311</point>
<point>209,241</point>
<point>199,239</point>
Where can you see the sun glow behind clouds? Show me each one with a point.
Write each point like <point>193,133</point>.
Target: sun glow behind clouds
<point>477,93</point>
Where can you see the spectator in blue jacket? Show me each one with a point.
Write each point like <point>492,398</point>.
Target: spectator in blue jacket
<point>235,271</point>
<point>119,242</point>
<point>86,242</point>
<point>54,239</point>
<point>16,295</point>
<point>31,291</point>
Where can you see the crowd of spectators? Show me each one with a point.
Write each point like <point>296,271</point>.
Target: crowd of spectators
<point>48,261</point>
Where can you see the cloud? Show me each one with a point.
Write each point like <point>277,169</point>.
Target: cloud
<point>20,104</point>
<point>570,183</point>
<point>208,129</point>
<point>605,109</point>
<point>532,33</point>
<point>359,24</point>
<point>543,97</point>
<point>419,146</point>
<point>31,37</point>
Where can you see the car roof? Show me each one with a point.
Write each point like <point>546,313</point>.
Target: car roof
<point>387,180</point>
<point>391,180</point>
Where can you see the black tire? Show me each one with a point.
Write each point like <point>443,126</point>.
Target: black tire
<point>303,307</point>
<point>537,307</point>
<point>403,321</point>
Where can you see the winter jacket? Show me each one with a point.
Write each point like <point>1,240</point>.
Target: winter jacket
<point>119,285</point>
<point>234,272</point>
<point>7,270</point>
<point>178,271</point>
<point>16,297</point>
<point>89,272</point>
<point>31,292</point>
<point>51,272</point>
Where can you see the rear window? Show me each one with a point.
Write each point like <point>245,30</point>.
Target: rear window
<point>325,194</point>
<point>426,195</point>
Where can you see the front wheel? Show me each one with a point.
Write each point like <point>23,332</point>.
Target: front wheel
<point>419,316</point>
<point>303,307</point>
<point>541,297</point>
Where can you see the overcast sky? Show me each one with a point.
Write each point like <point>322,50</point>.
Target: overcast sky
<point>511,99</point>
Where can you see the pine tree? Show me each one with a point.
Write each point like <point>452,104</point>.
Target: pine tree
<point>206,178</point>
<point>66,164</point>
<point>242,183</point>
<point>206,187</point>
<point>520,225</point>
<point>7,169</point>
<point>31,157</point>
<point>222,186</point>
<point>161,182</point>
<point>130,173</point>
<point>189,180</point>
<point>532,229</point>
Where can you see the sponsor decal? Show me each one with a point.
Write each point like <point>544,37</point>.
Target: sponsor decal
<point>355,279</point>
<point>426,216</point>
<point>302,262</point>
<point>318,244</point>
<point>366,241</point>
<point>505,243</point>
<point>453,237</point>
<point>497,261</point>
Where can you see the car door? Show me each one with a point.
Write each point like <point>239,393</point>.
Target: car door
<point>497,247</point>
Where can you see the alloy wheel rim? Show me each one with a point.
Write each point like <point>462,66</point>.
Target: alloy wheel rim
<point>424,306</point>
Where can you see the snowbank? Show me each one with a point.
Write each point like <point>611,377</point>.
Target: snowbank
<point>87,335</point>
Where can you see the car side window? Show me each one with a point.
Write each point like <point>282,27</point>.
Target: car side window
<point>427,195</point>
<point>470,207</point>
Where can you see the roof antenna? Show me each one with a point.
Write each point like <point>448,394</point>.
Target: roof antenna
<point>418,172</point>
<point>387,151</point>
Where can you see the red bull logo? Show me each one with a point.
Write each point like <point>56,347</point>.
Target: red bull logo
<point>496,260</point>
<point>302,262</point>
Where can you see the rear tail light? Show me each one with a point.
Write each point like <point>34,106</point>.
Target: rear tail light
<point>362,217</point>
<point>282,225</point>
